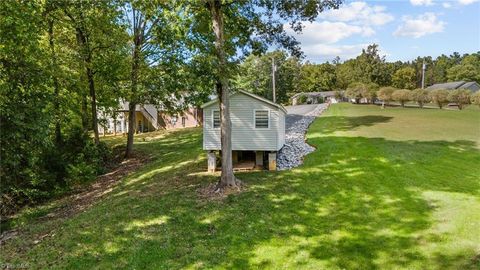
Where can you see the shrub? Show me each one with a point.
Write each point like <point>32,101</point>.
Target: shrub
<point>401,95</point>
<point>420,96</point>
<point>385,94</point>
<point>461,97</point>
<point>370,93</point>
<point>355,91</point>
<point>439,96</point>
<point>475,98</point>
<point>302,99</point>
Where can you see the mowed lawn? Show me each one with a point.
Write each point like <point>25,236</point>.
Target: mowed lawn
<point>386,189</point>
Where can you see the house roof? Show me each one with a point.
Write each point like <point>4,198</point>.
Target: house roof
<point>250,95</point>
<point>453,85</point>
<point>316,94</point>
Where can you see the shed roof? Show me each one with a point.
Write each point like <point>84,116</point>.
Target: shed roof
<point>250,95</point>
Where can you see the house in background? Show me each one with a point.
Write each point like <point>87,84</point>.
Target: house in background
<point>472,86</point>
<point>258,131</point>
<point>315,97</point>
<point>148,118</point>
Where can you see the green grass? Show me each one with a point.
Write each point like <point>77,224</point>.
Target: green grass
<point>385,189</point>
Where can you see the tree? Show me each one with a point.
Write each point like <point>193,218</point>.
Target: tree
<point>238,26</point>
<point>401,95</point>
<point>475,98</point>
<point>463,72</point>
<point>420,96</point>
<point>439,96</point>
<point>370,93</point>
<point>317,77</point>
<point>385,94</point>
<point>404,78</point>
<point>156,43</point>
<point>461,97</point>
<point>355,91</point>
<point>91,20</point>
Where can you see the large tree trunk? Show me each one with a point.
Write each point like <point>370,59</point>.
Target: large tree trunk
<point>134,83</point>
<point>227,178</point>
<point>131,129</point>
<point>87,59</point>
<point>56,87</point>
<point>93,101</point>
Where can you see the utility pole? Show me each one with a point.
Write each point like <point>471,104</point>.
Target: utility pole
<point>423,74</point>
<point>274,68</point>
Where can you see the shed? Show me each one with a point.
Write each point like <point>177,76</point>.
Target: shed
<point>472,86</point>
<point>258,130</point>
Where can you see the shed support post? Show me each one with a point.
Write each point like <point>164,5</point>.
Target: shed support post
<point>259,158</point>
<point>272,161</point>
<point>212,161</point>
<point>234,157</point>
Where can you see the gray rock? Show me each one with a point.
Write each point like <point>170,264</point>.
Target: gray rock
<point>295,148</point>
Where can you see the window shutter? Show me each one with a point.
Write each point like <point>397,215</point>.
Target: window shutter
<point>216,119</point>
<point>261,119</point>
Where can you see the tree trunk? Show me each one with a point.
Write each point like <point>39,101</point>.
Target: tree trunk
<point>134,82</point>
<point>87,59</point>
<point>93,103</point>
<point>84,112</point>
<point>227,178</point>
<point>131,129</point>
<point>56,87</point>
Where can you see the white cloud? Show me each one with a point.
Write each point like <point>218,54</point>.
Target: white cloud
<point>330,32</point>
<point>446,5</point>
<point>422,25</point>
<point>359,13</point>
<point>327,52</point>
<point>467,2</point>
<point>421,2</point>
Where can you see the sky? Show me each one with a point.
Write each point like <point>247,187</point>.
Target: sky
<point>404,29</point>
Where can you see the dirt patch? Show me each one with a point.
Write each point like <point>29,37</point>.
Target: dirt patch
<point>83,197</point>
<point>212,192</point>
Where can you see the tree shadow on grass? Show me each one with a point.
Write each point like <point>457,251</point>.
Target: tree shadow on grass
<point>357,208</point>
<point>356,203</point>
<point>345,123</point>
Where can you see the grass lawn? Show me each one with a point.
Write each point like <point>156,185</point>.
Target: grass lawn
<point>385,189</point>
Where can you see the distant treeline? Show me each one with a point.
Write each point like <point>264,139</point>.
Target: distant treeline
<point>294,76</point>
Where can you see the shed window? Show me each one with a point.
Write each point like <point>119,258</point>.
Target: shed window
<point>261,119</point>
<point>216,119</point>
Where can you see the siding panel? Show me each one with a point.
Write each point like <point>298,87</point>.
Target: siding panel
<point>244,134</point>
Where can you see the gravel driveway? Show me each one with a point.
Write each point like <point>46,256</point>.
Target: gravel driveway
<point>297,122</point>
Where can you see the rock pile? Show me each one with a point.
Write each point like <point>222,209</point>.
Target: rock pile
<point>295,148</point>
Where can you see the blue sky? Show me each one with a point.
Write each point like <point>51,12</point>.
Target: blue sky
<point>403,29</point>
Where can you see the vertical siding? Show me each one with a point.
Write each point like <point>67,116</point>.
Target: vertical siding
<point>244,134</point>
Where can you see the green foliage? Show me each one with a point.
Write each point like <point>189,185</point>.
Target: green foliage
<point>302,99</point>
<point>385,93</point>
<point>468,70</point>
<point>420,96</point>
<point>439,97</point>
<point>404,78</point>
<point>356,91</point>
<point>401,95</point>
<point>460,97</point>
<point>475,98</point>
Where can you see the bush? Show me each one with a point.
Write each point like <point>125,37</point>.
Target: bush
<point>302,99</point>
<point>385,94</point>
<point>401,95</point>
<point>475,98</point>
<point>355,91</point>
<point>76,160</point>
<point>439,96</point>
<point>460,97</point>
<point>420,96</point>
